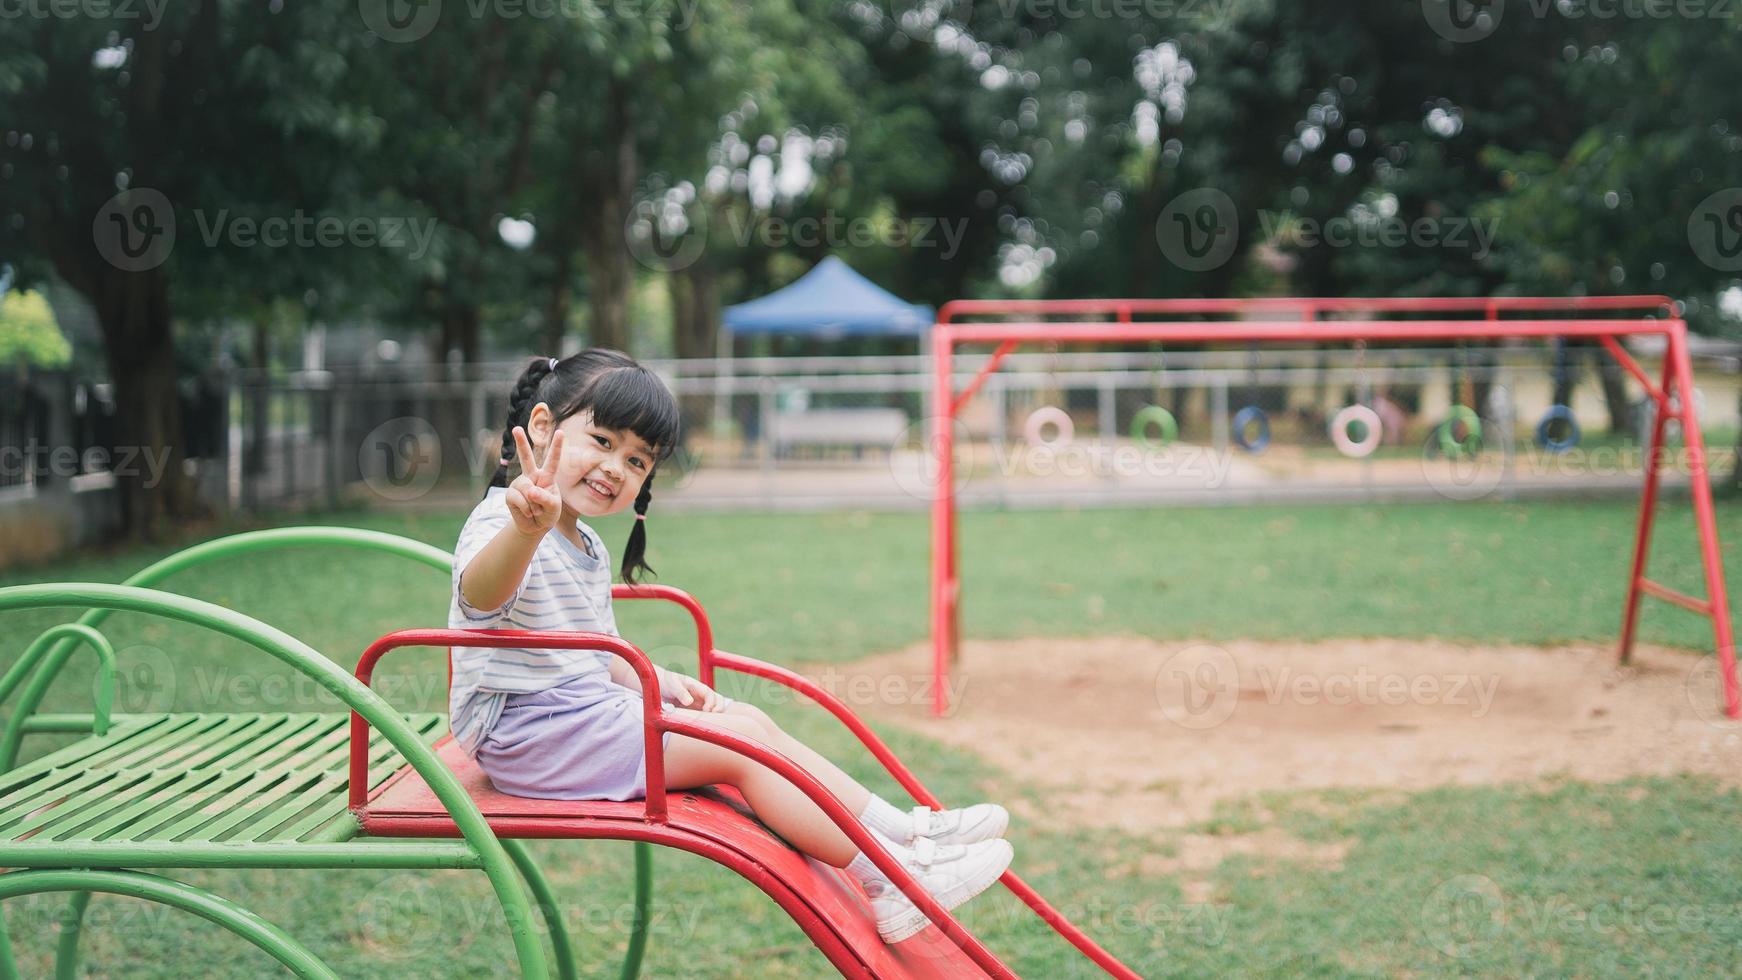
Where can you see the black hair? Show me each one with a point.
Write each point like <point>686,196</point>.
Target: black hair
<point>622,395</point>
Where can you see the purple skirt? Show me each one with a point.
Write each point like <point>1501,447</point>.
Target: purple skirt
<point>580,740</point>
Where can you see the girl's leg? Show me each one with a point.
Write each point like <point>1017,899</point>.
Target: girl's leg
<point>691,762</point>
<point>845,787</point>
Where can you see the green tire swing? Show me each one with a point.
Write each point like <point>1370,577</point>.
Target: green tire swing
<point>1470,442</point>
<point>1154,417</point>
<point>1453,445</point>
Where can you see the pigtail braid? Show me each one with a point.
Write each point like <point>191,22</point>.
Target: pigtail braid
<point>635,552</point>
<point>520,402</point>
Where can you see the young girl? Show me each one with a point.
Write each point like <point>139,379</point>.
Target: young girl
<point>587,432</point>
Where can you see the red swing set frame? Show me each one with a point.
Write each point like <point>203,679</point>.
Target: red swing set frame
<point>1301,319</point>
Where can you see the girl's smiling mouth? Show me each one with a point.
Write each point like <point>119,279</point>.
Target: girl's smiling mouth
<point>599,489</point>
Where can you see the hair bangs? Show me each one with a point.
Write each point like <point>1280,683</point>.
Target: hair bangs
<point>633,399</point>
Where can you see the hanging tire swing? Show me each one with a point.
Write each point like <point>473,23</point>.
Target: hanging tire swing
<point>1252,417</point>
<point>1358,414</point>
<point>1034,429</point>
<point>1470,442</point>
<point>1371,431</point>
<point>1557,415</point>
<point>1452,444</point>
<point>1151,417</point>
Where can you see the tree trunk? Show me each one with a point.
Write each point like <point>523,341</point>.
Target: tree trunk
<point>1568,376</point>
<point>695,310</point>
<point>150,484</point>
<point>1145,249</point>
<point>1735,484</point>
<point>459,331</point>
<point>449,411</point>
<point>608,277</point>
<point>610,173</point>
<point>254,464</point>
<point>1614,380</point>
<point>556,304</point>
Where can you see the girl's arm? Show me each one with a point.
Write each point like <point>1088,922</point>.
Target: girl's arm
<point>498,568</point>
<point>622,673</point>
<point>674,687</point>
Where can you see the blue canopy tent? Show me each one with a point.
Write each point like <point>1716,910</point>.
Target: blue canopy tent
<point>826,306</point>
<point>830,301</point>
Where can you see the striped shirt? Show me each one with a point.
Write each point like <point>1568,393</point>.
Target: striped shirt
<point>564,589</point>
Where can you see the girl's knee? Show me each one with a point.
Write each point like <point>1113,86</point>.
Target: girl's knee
<point>753,714</point>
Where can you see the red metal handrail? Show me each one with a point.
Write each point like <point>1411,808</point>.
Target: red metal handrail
<point>654,722</point>
<point>710,658</point>
<point>704,629</point>
<point>1011,880</point>
<point>1228,331</point>
<point>522,640</point>
<point>1488,306</point>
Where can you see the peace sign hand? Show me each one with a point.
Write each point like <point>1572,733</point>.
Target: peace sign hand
<point>532,498</point>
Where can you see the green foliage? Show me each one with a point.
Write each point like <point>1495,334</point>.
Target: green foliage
<point>28,332</point>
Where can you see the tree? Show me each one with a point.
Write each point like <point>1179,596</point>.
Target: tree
<point>185,118</point>
<point>28,333</point>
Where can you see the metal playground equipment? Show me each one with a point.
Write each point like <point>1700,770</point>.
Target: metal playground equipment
<point>381,789</point>
<point>1607,319</point>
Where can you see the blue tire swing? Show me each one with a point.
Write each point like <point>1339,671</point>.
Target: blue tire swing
<point>1559,415</point>
<point>1251,425</point>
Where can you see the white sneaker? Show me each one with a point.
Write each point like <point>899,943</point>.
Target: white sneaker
<point>969,825</point>
<point>952,873</point>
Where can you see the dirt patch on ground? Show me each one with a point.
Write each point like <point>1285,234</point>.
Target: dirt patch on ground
<point>1142,735</point>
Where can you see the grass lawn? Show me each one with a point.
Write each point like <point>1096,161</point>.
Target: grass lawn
<point>1620,879</point>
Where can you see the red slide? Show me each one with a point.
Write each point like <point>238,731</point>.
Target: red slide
<point>829,907</point>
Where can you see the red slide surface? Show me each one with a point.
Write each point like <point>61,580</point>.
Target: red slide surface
<point>830,908</point>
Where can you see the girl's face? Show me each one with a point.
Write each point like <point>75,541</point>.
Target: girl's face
<point>601,471</point>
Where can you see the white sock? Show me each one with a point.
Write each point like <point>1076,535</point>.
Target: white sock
<point>861,867</point>
<point>882,816</point>
<point>863,870</point>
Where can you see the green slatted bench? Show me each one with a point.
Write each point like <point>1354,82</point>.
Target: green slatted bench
<point>150,791</point>
<point>205,777</point>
